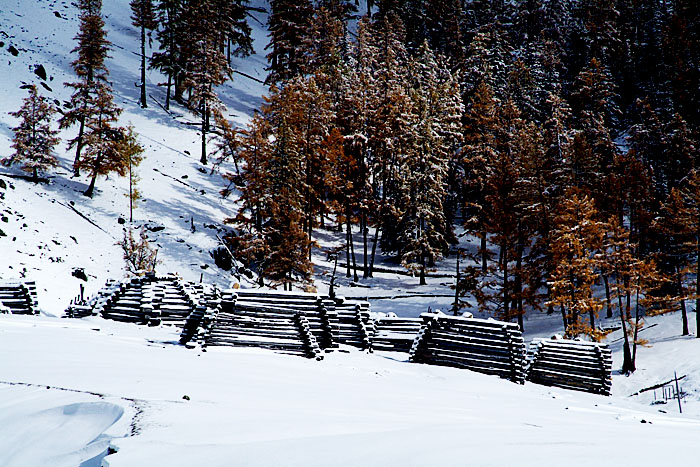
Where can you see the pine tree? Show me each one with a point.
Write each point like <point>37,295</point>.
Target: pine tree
<point>101,139</point>
<point>34,139</point>
<point>132,153</point>
<point>253,147</point>
<point>481,124</point>
<point>168,59</point>
<point>437,111</point>
<point>89,67</point>
<point>633,276</point>
<point>143,17</point>
<point>205,65</point>
<point>289,24</point>
<point>577,240</point>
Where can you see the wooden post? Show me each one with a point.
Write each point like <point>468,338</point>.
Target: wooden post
<point>678,392</point>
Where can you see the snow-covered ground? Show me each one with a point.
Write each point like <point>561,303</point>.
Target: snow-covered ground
<point>71,388</point>
<point>248,407</point>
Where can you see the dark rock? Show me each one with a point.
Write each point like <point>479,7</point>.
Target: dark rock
<point>121,221</point>
<point>79,273</point>
<point>155,228</point>
<point>4,219</point>
<point>40,71</point>
<point>3,185</point>
<point>2,234</point>
<point>202,170</point>
<point>46,86</point>
<point>2,44</point>
<point>187,152</point>
<point>184,177</point>
<point>57,14</point>
<point>186,397</point>
<point>26,86</point>
<point>12,50</point>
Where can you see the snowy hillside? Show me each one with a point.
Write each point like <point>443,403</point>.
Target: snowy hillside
<point>71,389</point>
<point>53,229</point>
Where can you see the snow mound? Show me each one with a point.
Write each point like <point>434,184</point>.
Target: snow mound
<point>64,435</point>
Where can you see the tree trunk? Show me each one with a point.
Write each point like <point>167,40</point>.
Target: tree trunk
<point>684,311</point>
<point>78,147</point>
<point>167,92</point>
<point>352,251</point>
<point>143,67</point>
<point>608,313</point>
<point>627,363</point>
<point>203,159</point>
<point>519,277</point>
<point>374,251</point>
<point>697,287</point>
<point>91,188</point>
<point>504,266</point>
<point>484,253</point>
<point>348,239</point>
<point>365,232</point>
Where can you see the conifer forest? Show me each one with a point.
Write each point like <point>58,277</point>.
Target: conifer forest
<point>559,138</point>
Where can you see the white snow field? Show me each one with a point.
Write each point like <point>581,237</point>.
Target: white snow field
<point>73,391</point>
<point>249,407</point>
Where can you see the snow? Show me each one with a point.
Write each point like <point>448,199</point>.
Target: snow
<point>69,389</point>
<point>263,408</point>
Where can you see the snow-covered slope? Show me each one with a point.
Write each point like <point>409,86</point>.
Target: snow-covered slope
<point>53,229</point>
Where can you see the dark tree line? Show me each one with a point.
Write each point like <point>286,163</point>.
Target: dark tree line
<point>560,133</point>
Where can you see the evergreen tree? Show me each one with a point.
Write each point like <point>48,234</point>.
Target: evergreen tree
<point>34,139</point>
<point>102,137</point>
<point>143,17</point>
<point>289,24</point>
<point>205,64</point>
<point>577,240</point>
<point>131,151</point>
<point>437,110</point>
<point>89,67</point>
<point>169,33</point>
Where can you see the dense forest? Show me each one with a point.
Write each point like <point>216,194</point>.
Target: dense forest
<point>560,134</point>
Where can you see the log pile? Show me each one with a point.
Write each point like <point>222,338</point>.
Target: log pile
<point>569,364</point>
<point>244,323</point>
<point>395,334</point>
<point>320,311</point>
<point>148,300</point>
<point>19,297</point>
<point>355,326</point>
<point>485,346</point>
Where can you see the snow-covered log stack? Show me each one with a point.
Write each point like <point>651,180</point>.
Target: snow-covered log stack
<point>355,326</point>
<point>569,364</point>
<point>484,346</point>
<point>241,323</point>
<point>145,300</point>
<point>19,297</point>
<point>320,311</point>
<point>395,334</point>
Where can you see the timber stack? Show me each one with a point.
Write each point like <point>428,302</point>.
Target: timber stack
<point>19,297</point>
<point>570,364</point>
<point>395,334</point>
<point>275,321</point>
<point>355,325</point>
<point>485,346</point>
